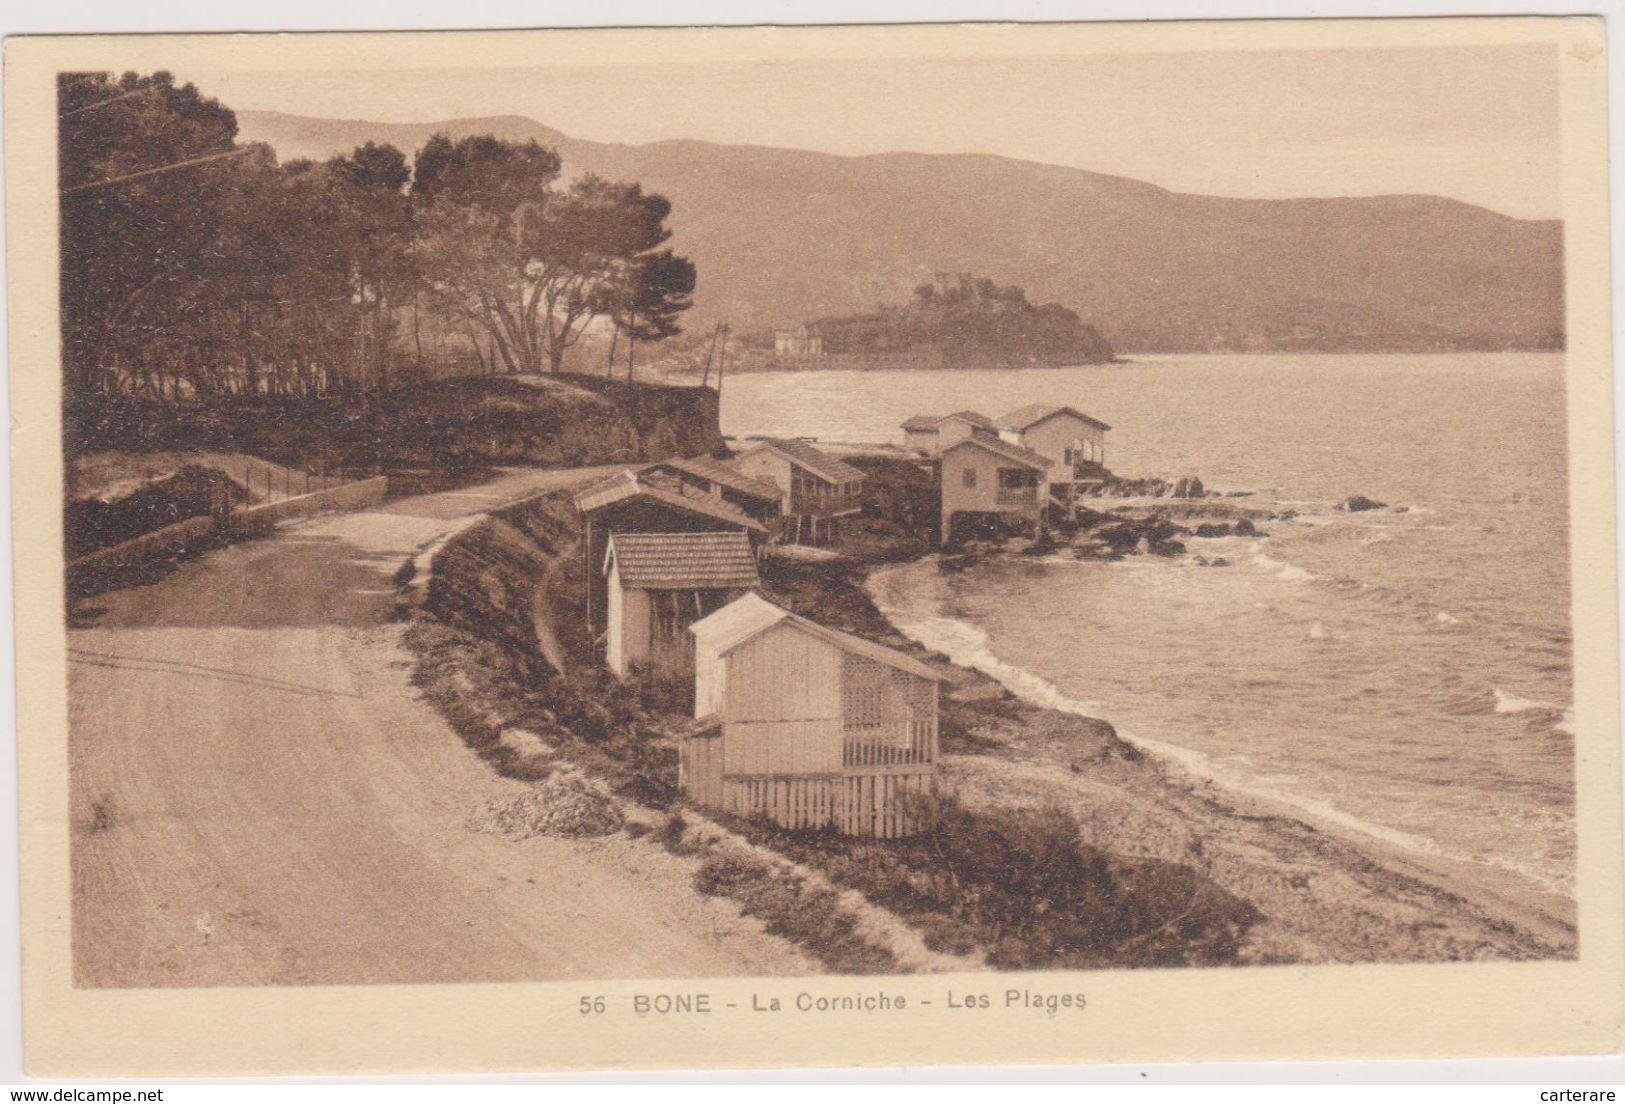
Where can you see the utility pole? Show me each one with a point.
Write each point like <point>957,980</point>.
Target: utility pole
<point>709,353</point>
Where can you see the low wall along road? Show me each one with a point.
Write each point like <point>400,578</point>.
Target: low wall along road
<point>255,519</point>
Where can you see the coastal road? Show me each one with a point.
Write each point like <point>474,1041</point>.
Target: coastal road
<point>260,797</point>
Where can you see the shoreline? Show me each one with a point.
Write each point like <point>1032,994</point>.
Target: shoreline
<point>1493,897</point>
<point>1323,895</point>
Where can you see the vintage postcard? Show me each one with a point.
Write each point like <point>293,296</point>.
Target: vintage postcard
<point>823,546</point>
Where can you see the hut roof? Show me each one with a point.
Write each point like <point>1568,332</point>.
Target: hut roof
<point>925,423</point>
<point>684,561</point>
<point>1025,417</point>
<point>626,485</point>
<point>706,467</point>
<point>803,455</point>
<point>1000,447</point>
<point>745,618</point>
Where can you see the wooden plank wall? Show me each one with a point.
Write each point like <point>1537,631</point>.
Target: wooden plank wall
<point>782,747</point>
<point>699,770</point>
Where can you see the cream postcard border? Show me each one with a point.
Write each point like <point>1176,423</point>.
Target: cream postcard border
<point>1326,1012</point>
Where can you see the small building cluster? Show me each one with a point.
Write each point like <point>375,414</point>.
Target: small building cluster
<point>799,341</point>
<point>1014,467</point>
<point>796,722</point>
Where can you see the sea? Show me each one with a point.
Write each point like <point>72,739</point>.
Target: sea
<point>1402,673</point>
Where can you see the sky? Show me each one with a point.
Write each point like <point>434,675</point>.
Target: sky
<point>1478,124</point>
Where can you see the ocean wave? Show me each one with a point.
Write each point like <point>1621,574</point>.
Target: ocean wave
<point>1290,572</point>
<point>1512,703</point>
<point>967,646</point>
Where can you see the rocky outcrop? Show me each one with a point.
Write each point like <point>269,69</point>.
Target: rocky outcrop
<point>1240,528</point>
<point>1359,504</point>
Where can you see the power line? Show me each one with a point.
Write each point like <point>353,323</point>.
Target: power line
<point>104,103</point>
<point>154,172</point>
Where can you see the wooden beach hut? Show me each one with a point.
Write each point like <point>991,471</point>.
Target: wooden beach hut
<point>988,475</point>
<point>704,475</point>
<point>805,725</point>
<point>659,584</point>
<point>817,490</point>
<point>626,504</point>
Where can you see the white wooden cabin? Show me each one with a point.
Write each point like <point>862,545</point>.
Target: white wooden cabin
<point>818,490</point>
<point>931,434</point>
<point>984,474</point>
<point>661,583</point>
<point>1072,441</point>
<point>806,725</point>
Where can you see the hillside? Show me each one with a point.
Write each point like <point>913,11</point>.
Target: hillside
<point>781,236</point>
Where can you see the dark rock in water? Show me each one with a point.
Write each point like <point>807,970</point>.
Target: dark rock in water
<point>1359,504</point>
<point>1285,515</point>
<point>1182,488</point>
<point>1219,561</point>
<point>1212,529</point>
<point>1167,548</point>
<point>1246,528</point>
<point>1402,509</point>
<point>1196,490</point>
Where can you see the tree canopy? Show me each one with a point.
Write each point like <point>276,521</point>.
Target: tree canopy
<point>197,267</point>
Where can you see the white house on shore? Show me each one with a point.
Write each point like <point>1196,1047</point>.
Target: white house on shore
<point>818,490</point>
<point>1072,441</point>
<point>989,475</point>
<point>931,433</point>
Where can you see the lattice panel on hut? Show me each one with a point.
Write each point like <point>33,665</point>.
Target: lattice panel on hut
<point>875,693</point>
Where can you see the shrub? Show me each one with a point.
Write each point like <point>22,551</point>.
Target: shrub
<point>1023,886</point>
<point>811,918</point>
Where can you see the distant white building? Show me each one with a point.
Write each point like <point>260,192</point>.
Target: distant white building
<point>932,433</point>
<point>797,342</point>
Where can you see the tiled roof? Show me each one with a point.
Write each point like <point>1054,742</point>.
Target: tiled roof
<point>1000,447</point>
<point>705,467</point>
<point>684,561</point>
<point>744,618</point>
<point>1025,417</point>
<point>619,488</point>
<point>929,423</point>
<point>803,455</point>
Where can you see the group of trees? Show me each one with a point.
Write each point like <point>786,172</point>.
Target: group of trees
<point>195,267</point>
<point>973,321</point>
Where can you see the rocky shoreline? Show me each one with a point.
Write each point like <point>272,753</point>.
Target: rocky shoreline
<point>1325,896</point>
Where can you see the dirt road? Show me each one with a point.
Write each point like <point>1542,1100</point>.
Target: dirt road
<point>260,797</point>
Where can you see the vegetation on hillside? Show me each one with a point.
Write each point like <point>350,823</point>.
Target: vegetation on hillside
<point>198,270</point>
<point>974,322</point>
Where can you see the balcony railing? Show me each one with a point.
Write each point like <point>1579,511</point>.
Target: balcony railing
<point>819,505</point>
<point>892,744</point>
<point>1016,496</point>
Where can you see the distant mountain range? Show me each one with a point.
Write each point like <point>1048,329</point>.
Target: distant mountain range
<point>783,236</point>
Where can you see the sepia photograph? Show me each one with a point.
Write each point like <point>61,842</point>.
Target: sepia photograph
<point>962,513</point>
